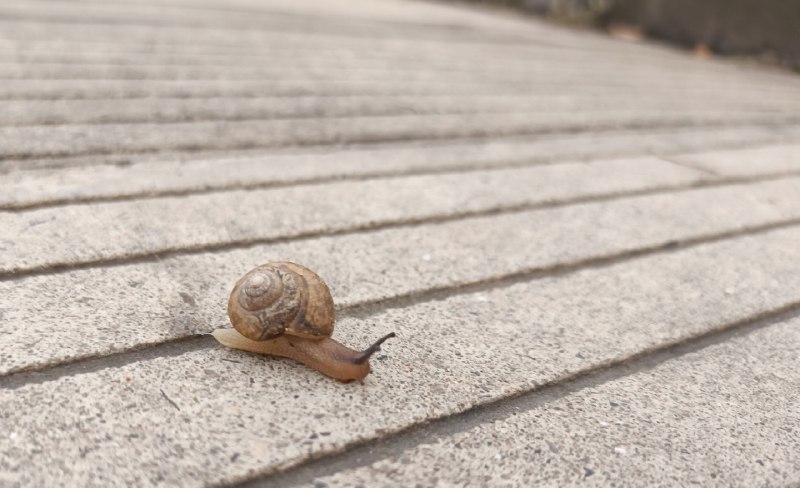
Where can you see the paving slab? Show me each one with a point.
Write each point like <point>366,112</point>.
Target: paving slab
<point>255,19</point>
<point>558,69</point>
<point>177,297</point>
<point>241,72</point>
<point>218,38</point>
<point>70,49</point>
<point>38,112</point>
<point>409,156</point>
<point>111,230</point>
<point>166,175</point>
<point>221,415</point>
<point>29,33</point>
<point>65,140</point>
<point>742,95</point>
<point>722,416</point>
<point>545,80</point>
<point>328,53</point>
<point>44,89</point>
<point>48,89</point>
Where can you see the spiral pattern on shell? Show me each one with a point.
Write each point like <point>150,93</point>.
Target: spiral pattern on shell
<point>280,298</point>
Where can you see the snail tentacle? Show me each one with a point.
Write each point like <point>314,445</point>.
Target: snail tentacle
<point>366,353</point>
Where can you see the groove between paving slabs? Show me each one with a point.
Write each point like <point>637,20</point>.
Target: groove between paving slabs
<point>366,452</point>
<point>219,40</point>
<point>211,187</point>
<point>56,90</point>
<point>365,309</point>
<point>332,134</point>
<point>420,76</point>
<point>44,90</point>
<point>377,113</point>
<point>18,46</point>
<point>150,256</point>
<point>524,82</point>
<point>488,39</point>
<point>270,22</point>
<point>327,57</point>
<point>75,53</point>
<point>33,114</point>
<point>402,62</point>
<point>344,30</point>
<point>559,63</point>
<point>189,87</point>
<point>389,74</point>
<point>554,147</point>
<point>298,50</point>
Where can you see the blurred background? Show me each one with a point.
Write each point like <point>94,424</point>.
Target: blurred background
<point>763,29</point>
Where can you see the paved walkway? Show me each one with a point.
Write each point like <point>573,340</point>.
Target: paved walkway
<point>589,249</point>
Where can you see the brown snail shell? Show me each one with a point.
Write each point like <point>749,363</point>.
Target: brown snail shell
<point>285,309</point>
<point>281,298</point>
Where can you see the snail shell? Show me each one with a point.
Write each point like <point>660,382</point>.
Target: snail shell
<point>280,298</point>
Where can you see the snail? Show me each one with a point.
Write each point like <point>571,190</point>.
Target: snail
<point>285,309</point>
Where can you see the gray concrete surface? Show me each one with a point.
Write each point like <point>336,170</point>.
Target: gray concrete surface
<point>484,346</point>
<point>180,296</point>
<point>41,141</point>
<point>38,112</point>
<point>163,175</point>
<point>122,174</point>
<point>142,227</point>
<point>721,416</point>
<point>528,207</point>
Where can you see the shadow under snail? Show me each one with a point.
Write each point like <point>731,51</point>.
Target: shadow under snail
<point>284,309</point>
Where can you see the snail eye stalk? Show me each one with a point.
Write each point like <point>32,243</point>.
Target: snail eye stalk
<point>366,353</point>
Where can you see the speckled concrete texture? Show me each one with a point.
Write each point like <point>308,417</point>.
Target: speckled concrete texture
<point>237,413</point>
<point>109,230</point>
<point>722,416</point>
<point>134,305</point>
<point>174,174</point>
<point>40,141</point>
<point>180,110</point>
<point>533,209</point>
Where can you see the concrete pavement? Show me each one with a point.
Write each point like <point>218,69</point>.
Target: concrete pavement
<point>589,249</point>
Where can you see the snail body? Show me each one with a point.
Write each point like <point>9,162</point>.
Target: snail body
<point>284,309</point>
